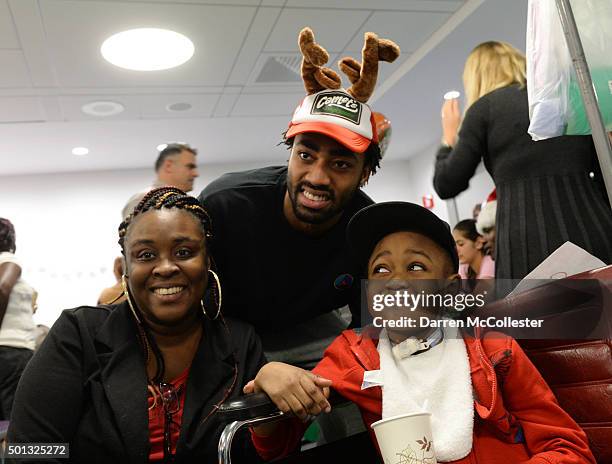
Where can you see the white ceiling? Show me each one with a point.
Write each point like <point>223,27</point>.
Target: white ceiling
<point>51,66</point>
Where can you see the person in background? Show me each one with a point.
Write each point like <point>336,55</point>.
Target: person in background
<point>114,294</point>
<point>485,224</point>
<point>545,190</point>
<point>476,210</point>
<point>142,381</point>
<point>175,167</point>
<point>475,264</point>
<point>17,328</point>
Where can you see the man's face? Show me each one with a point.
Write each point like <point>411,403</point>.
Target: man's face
<point>488,234</point>
<point>322,177</point>
<point>182,170</point>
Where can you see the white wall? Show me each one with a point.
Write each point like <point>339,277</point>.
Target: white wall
<point>481,186</point>
<point>420,170</point>
<point>412,180</point>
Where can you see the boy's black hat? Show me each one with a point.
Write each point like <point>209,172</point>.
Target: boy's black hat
<point>374,222</point>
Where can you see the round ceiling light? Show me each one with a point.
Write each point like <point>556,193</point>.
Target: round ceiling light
<point>80,151</point>
<point>147,49</point>
<point>179,106</point>
<point>102,108</point>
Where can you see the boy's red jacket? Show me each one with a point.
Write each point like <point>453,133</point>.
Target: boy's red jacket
<point>517,418</point>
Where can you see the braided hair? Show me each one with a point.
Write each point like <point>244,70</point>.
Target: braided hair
<point>167,197</point>
<point>156,199</point>
<point>7,236</point>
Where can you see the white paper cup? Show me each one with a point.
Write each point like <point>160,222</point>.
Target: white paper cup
<point>406,439</point>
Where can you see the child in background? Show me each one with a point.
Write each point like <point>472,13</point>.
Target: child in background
<point>474,263</point>
<point>489,404</point>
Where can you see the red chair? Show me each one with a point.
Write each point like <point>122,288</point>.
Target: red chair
<point>578,365</point>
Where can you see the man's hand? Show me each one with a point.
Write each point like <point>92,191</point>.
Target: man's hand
<point>451,119</point>
<point>292,389</point>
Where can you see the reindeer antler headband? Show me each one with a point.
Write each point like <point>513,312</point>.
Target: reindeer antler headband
<point>342,115</point>
<point>362,75</point>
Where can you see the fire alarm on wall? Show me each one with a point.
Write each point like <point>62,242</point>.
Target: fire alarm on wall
<point>428,201</point>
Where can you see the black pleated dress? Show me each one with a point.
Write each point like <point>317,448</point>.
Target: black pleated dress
<point>546,194</point>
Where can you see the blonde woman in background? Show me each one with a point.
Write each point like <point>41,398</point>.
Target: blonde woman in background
<point>548,192</point>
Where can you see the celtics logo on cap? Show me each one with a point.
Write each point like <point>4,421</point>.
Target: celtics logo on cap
<point>337,104</point>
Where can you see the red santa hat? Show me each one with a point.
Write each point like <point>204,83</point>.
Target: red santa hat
<point>486,218</point>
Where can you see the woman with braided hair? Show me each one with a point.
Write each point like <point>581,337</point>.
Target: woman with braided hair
<point>141,381</point>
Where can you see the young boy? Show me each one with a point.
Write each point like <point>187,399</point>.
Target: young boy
<point>488,402</point>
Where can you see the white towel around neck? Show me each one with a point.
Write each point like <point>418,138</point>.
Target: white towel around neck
<point>440,376</point>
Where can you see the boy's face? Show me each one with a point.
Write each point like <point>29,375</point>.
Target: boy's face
<point>407,262</point>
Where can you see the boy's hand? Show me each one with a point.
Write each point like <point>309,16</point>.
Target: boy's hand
<point>292,389</point>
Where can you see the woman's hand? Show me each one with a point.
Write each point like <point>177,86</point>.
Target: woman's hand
<point>451,119</point>
<point>292,389</point>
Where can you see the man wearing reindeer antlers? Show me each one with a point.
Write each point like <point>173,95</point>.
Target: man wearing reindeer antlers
<point>279,232</point>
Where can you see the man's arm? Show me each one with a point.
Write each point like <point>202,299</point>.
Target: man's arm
<point>456,165</point>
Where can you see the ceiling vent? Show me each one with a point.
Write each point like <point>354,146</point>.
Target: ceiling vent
<point>102,108</point>
<point>278,69</point>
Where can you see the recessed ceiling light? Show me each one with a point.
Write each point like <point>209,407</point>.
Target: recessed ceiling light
<point>147,49</point>
<point>451,95</point>
<point>102,108</point>
<point>179,106</point>
<point>80,151</point>
<point>161,146</point>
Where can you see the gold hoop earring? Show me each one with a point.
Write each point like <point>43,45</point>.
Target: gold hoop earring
<point>218,297</point>
<point>127,296</point>
<point>218,285</point>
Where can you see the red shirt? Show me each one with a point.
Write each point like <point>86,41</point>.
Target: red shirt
<point>157,418</point>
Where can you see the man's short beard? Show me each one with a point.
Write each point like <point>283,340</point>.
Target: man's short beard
<point>312,216</point>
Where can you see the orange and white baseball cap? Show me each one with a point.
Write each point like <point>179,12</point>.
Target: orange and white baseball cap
<point>338,115</point>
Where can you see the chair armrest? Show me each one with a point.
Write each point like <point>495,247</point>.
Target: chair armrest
<point>247,407</point>
<point>257,405</point>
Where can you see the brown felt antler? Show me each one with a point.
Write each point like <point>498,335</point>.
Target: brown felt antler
<point>363,75</point>
<point>315,76</point>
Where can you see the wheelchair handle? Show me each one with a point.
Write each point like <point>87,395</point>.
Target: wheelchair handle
<point>230,430</point>
<point>247,407</point>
